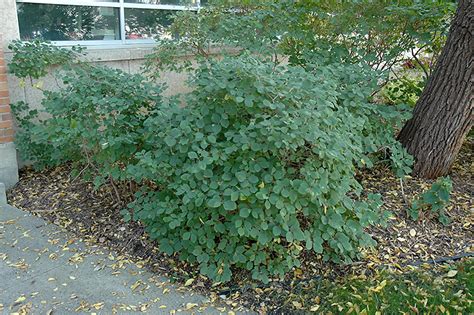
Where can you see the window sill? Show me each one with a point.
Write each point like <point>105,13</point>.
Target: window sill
<point>118,52</point>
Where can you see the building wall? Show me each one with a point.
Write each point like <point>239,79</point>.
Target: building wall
<point>8,22</point>
<point>128,59</point>
<point>8,156</point>
<point>125,57</point>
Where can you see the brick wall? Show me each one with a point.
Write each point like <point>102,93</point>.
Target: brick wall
<point>6,123</point>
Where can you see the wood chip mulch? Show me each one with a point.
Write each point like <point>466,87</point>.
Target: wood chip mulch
<point>94,215</point>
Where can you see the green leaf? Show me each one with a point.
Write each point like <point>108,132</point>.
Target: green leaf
<point>230,205</point>
<point>170,141</point>
<point>215,202</point>
<point>192,155</point>
<point>234,196</point>
<point>336,220</point>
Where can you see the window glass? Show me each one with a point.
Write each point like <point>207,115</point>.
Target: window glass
<point>67,22</point>
<point>85,1</point>
<point>174,2</point>
<point>147,23</point>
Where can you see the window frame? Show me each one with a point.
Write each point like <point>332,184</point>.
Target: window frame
<point>122,6</point>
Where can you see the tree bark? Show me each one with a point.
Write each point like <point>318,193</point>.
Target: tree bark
<point>443,115</point>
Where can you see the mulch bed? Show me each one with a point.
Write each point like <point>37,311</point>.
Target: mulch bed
<point>94,216</point>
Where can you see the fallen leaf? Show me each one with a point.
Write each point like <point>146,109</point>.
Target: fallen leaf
<point>135,285</point>
<point>380,286</point>
<point>314,308</point>
<point>190,306</point>
<point>297,304</point>
<point>452,273</point>
<point>98,306</point>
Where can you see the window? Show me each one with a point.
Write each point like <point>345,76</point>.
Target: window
<point>98,21</point>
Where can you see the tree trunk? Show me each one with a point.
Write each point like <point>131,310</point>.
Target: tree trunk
<point>443,115</point>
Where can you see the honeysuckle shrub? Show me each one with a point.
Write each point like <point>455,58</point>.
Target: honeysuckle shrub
<point>260,165</point>
<point>95,120</point>
<point>33,59</point>
<point>252,168</point>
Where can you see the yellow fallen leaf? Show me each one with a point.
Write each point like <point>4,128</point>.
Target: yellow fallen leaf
<point>298,272</point>
<point>20,299</point>
<point>412,232</point>
<point>314,308</point>
<point>452,273</point>
<point>98,306</point>
<point>76,258</point>
<point>190,306</point>
<point>458,294</point>
<point>25,309</point>
<point>297,304</point>
<point>136,285</point>
<point>189,282</point>
<point>38,85</point>
<point>380,286</point>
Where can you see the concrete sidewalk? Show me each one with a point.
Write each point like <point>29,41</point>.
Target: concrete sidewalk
<point>45,270</point>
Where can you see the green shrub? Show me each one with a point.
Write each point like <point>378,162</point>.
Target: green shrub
<point>260,166</point>
<point>433,200</point>
<point>404,90</point>
<point>96,120</point>
<point>257,168</point>
<point>34,58</point>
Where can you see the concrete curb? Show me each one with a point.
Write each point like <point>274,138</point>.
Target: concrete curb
<point>3,194</point>
<point>8,164</point>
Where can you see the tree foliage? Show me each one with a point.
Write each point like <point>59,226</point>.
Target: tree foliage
<point>381,34</point>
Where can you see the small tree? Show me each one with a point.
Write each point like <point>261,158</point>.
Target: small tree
<point>443,115</point>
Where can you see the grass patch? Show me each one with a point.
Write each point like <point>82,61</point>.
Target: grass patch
<point>424,290</point>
